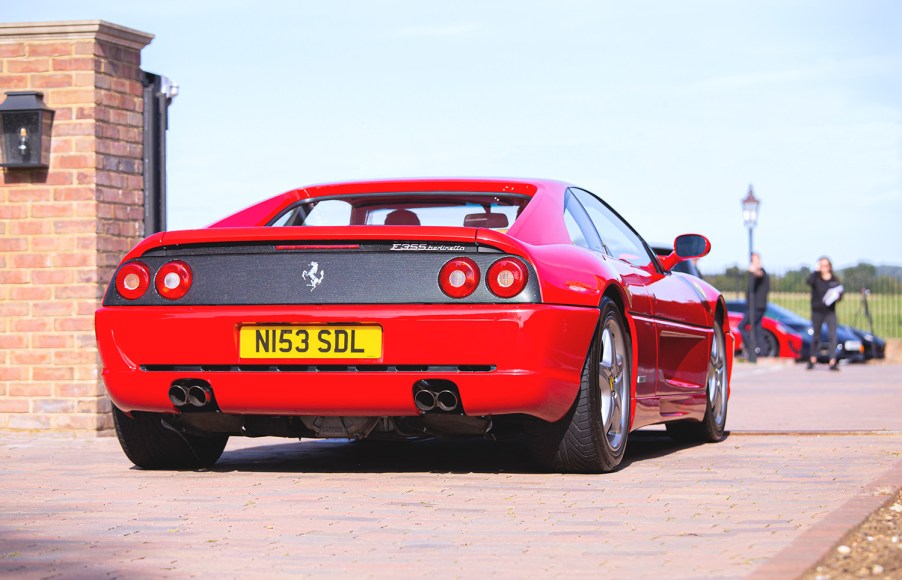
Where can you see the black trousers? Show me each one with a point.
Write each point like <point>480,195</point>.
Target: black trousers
<point>757,330</point>
<point>817,323</point>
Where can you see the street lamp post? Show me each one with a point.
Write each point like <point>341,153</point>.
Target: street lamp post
<point>750,216</point>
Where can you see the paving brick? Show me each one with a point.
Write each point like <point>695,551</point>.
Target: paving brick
<point>762,503</point>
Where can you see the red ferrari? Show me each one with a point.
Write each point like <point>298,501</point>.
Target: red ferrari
<point>779,341</point>
<point>413,308</point>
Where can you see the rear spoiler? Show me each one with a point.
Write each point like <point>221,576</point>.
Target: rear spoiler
<point>329,234</point>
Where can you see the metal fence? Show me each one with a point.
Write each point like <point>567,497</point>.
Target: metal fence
<point>872,299</point>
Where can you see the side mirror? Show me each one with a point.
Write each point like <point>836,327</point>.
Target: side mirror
<point>690,246</point>
<point>686,247</point>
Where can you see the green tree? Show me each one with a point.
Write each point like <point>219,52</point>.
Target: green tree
<point>791,281</point>
<point>854,278</point>
<point>731,280</point>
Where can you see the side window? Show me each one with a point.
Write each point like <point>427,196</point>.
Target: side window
<point>292,217</point>
<point>329,212</point>
<point>618,238</point>
<point>579,226</point>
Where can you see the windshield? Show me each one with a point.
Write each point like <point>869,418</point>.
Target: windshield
<point>407,209</point>
<point>785,316</point>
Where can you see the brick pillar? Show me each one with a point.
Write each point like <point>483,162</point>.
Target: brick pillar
<point>64,229</point>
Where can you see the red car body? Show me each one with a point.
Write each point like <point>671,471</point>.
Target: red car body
<point>520,356</point>
<point>788,343</point>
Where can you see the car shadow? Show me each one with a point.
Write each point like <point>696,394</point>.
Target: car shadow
<point>474,455</point>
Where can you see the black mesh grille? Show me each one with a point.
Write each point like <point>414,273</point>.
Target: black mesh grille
<point>370,274</point>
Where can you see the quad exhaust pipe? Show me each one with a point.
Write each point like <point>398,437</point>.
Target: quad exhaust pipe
<point>178,394</point>
<point>194,393</point>
<point>437,394</point>
<point>200,395</point>
<point>446,400</point>
<point>425,400</point>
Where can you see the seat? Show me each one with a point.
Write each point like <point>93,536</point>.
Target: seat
<point>402,217</point>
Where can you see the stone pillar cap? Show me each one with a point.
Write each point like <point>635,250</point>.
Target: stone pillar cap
<point>99,29</point>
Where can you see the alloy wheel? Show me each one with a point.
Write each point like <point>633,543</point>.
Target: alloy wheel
<point>613,384</point>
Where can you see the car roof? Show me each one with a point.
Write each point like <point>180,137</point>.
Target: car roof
<point>514,186</point>
<point>548,192</point>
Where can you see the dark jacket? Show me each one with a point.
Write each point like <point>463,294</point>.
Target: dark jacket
<point>759,290</point>
<point>819,288</point>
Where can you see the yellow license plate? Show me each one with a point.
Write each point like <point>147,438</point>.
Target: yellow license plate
<point>265,341</point>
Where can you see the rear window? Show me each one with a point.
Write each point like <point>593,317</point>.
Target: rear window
<point>408,209</point>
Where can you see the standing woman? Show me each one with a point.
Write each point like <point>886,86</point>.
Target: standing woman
<point>826,291</point>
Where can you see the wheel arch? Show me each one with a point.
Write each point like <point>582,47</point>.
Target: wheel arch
<point>722,318</point>
<point>720,314</point>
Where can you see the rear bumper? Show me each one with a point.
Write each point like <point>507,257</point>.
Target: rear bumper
<point>503,358</point>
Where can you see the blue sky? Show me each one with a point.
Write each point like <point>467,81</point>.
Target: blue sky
<point>666,109</point>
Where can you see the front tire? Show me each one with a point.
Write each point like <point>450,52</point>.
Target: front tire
<point>712,427</point>
<point>591,437</point>
<point>771,345</point>
<point>150,445</point>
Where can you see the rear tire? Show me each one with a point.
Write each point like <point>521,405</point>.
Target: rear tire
<point>591,437</point>
<point>712,427</point>
<point>150,445</point>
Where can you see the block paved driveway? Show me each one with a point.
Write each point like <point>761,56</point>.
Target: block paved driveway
<point>809,455</point>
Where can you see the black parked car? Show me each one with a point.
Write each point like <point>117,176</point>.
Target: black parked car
<point>874,346</point>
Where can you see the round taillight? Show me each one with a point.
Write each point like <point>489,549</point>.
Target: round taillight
<point>173,280</point>
<point>459,277</point>
<point>133,280</point>
<point>507,277</point>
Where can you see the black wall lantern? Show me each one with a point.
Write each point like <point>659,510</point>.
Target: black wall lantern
<point>25,123</point>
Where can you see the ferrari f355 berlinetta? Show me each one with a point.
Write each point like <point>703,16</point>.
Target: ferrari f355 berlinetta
<point>413,308</point>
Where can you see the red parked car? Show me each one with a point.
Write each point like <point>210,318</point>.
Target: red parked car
<point>412,308</point>
<point>779,340</point>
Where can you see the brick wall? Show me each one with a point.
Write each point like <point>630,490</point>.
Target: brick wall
<point>63,229</point>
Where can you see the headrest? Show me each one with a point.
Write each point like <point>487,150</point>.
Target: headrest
<point>402,217</point>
